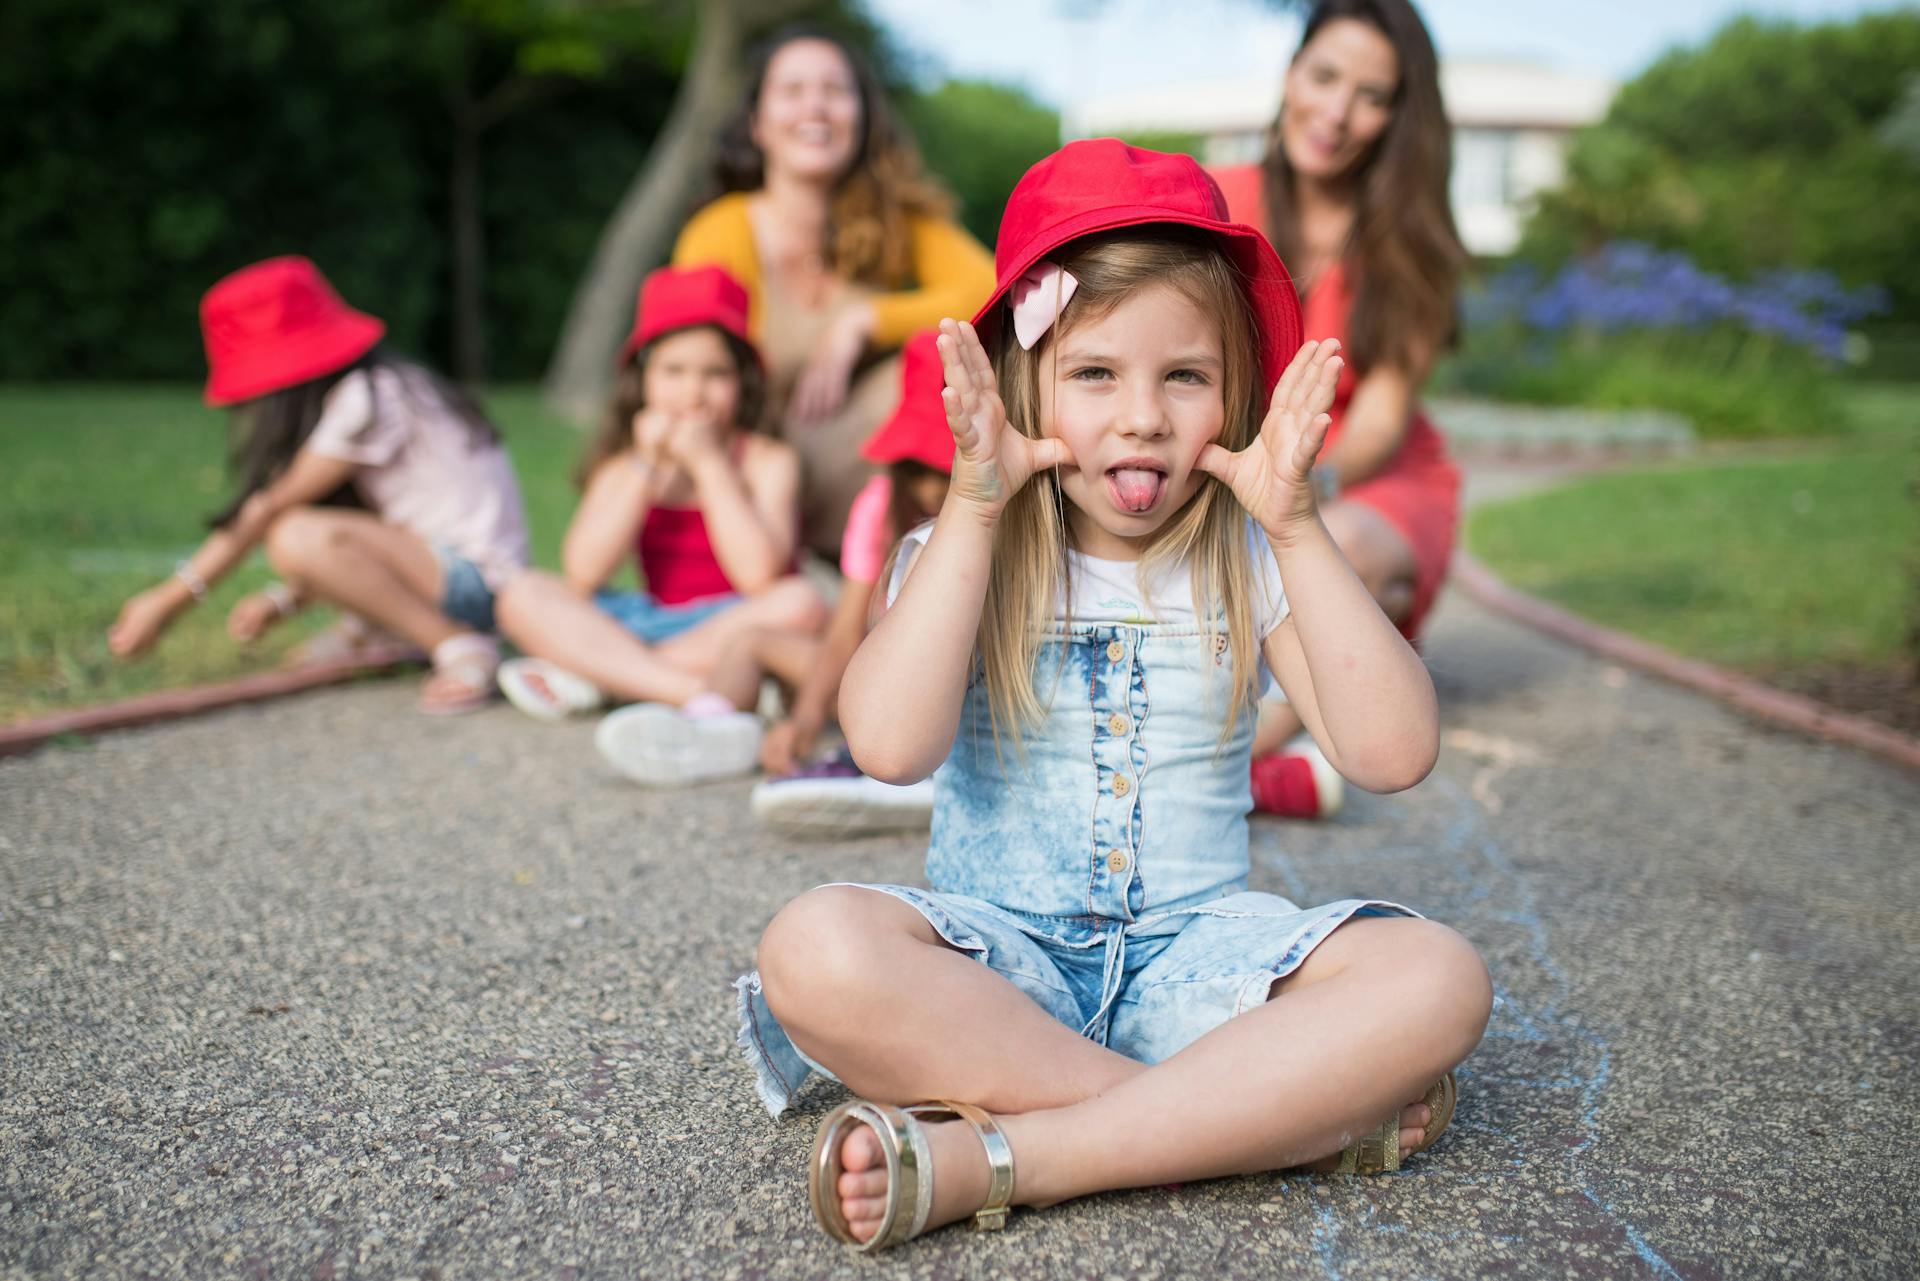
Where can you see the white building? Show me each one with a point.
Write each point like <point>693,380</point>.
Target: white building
<point>1511,125</point>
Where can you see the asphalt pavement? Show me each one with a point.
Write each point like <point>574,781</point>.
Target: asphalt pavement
<point>324,988</point>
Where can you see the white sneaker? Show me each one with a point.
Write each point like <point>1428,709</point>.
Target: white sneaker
<point>658,744</point>
<point>842,801</point>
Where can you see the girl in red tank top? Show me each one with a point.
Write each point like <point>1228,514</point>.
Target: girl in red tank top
<point>708,507</point>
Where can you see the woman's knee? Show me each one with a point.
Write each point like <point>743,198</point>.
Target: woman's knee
<point>819,946</point>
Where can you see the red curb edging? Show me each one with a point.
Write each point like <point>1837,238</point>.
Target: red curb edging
<point>172,704</point>
<point>1749,696</point>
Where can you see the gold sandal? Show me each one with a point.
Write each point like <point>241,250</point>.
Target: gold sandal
<point>1378,1151</point>
<point>909,1161</point>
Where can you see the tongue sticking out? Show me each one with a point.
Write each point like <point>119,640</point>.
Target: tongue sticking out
<point>1136,489</point>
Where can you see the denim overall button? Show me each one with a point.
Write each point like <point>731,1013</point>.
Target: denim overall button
<point>1117,723</point>
<point>1120,785</point>
<point>1116,861</point>
<point>1115,651</point>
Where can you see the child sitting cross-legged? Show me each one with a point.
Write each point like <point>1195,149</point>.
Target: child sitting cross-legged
<point>1089,996</point>
<point>680,479</point>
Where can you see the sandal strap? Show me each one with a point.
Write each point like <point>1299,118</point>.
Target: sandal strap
<point>992,1216</point>
<point>1375,1152</point>
<point>1379,1151</point>
<point>469,658</point>
<point>1441,1100</point>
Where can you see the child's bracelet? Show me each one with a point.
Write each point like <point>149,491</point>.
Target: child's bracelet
<point>194,584</point>
<point>285,603</point>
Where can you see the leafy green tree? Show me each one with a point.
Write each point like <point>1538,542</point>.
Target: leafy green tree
<point>1770,145</point>
<point>980,138</point>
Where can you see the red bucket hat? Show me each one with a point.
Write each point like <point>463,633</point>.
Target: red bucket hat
<point>275,325</point>
<point>918,430</point>
<point>1101,184</point>
<point>682,297</point>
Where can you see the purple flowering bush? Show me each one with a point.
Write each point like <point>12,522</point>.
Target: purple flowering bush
<point>1634,326</point>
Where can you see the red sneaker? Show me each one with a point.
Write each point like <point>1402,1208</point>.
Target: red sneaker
<point>1297,783</point>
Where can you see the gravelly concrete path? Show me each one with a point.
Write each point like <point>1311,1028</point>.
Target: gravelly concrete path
<point>328,989</point>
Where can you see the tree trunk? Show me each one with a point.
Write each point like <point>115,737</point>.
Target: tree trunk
<point>469,247</point>
<point>640,233</point>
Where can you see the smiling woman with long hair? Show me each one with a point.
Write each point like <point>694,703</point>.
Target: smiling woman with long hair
<point>846,247</point>
<point>1353,193</point>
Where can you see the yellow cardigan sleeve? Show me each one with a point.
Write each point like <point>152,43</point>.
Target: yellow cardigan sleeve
<point>955,275</point>
<point>953,270</point>
<point>721,234</point>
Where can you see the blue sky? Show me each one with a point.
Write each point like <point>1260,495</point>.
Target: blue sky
<point>1066,50</point>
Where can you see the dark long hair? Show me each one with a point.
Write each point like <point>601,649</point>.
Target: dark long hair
<point>266,432</point>
<point>630,397</point>
<point>1404,256</point>
<point>868,239</point>
<point>903,513</point>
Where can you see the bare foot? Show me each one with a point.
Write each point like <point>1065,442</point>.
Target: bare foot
<point>959,1172</point>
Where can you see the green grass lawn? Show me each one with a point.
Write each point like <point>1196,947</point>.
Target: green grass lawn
<point>1776,566</point>
<point>1761,565</point>
<point>104,487</point>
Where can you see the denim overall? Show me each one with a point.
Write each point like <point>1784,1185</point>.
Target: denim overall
<point>1100,864</point>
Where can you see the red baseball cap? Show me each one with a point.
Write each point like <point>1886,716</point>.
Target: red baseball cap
<point>918,430</point>
<point>1102,184</point>
<point>683,297</point>
<point>275,325</point>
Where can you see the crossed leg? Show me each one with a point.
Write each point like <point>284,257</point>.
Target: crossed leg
<point>550,619</point>
<point>1377,1013</point>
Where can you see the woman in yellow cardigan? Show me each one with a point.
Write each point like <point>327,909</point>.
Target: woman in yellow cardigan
<point>844,245</point>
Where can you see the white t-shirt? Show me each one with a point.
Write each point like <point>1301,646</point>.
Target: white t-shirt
<point>423,470</point>
<point>1108,591</point>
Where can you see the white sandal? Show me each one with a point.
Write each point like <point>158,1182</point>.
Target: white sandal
<point>909,1162</point>
<point>546,691</point>
<point>467,662</point>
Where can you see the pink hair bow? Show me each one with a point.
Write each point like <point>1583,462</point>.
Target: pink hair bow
<point>1038,298</point>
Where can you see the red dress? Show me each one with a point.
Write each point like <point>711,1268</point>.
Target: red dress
<point>1418,491</point>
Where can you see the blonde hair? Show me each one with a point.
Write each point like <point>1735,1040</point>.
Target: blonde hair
<point>1029,551</point>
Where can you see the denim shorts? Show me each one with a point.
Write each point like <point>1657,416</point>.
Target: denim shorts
<point>653,622</point>
<point>464,594</point>
<point>1146,989</point>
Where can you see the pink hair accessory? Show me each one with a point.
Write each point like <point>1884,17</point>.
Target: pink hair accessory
<point>1038,298</point>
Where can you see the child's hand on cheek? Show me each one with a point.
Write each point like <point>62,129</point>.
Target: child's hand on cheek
<point>1270,476</point>
<point>651,428</point>
<point>692,436</point>
<point>991,461</point>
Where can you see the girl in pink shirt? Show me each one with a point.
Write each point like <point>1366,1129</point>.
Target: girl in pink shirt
<point>326,415</point>
<point>709,508</point>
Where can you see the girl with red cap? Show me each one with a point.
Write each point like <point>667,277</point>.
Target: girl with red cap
<point>680,479</point>
<point>1074,651</point>
<point>324,413</point>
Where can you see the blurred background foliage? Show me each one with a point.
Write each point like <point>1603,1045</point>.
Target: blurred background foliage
<point>1743,226</point>
<point>151,148</point>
